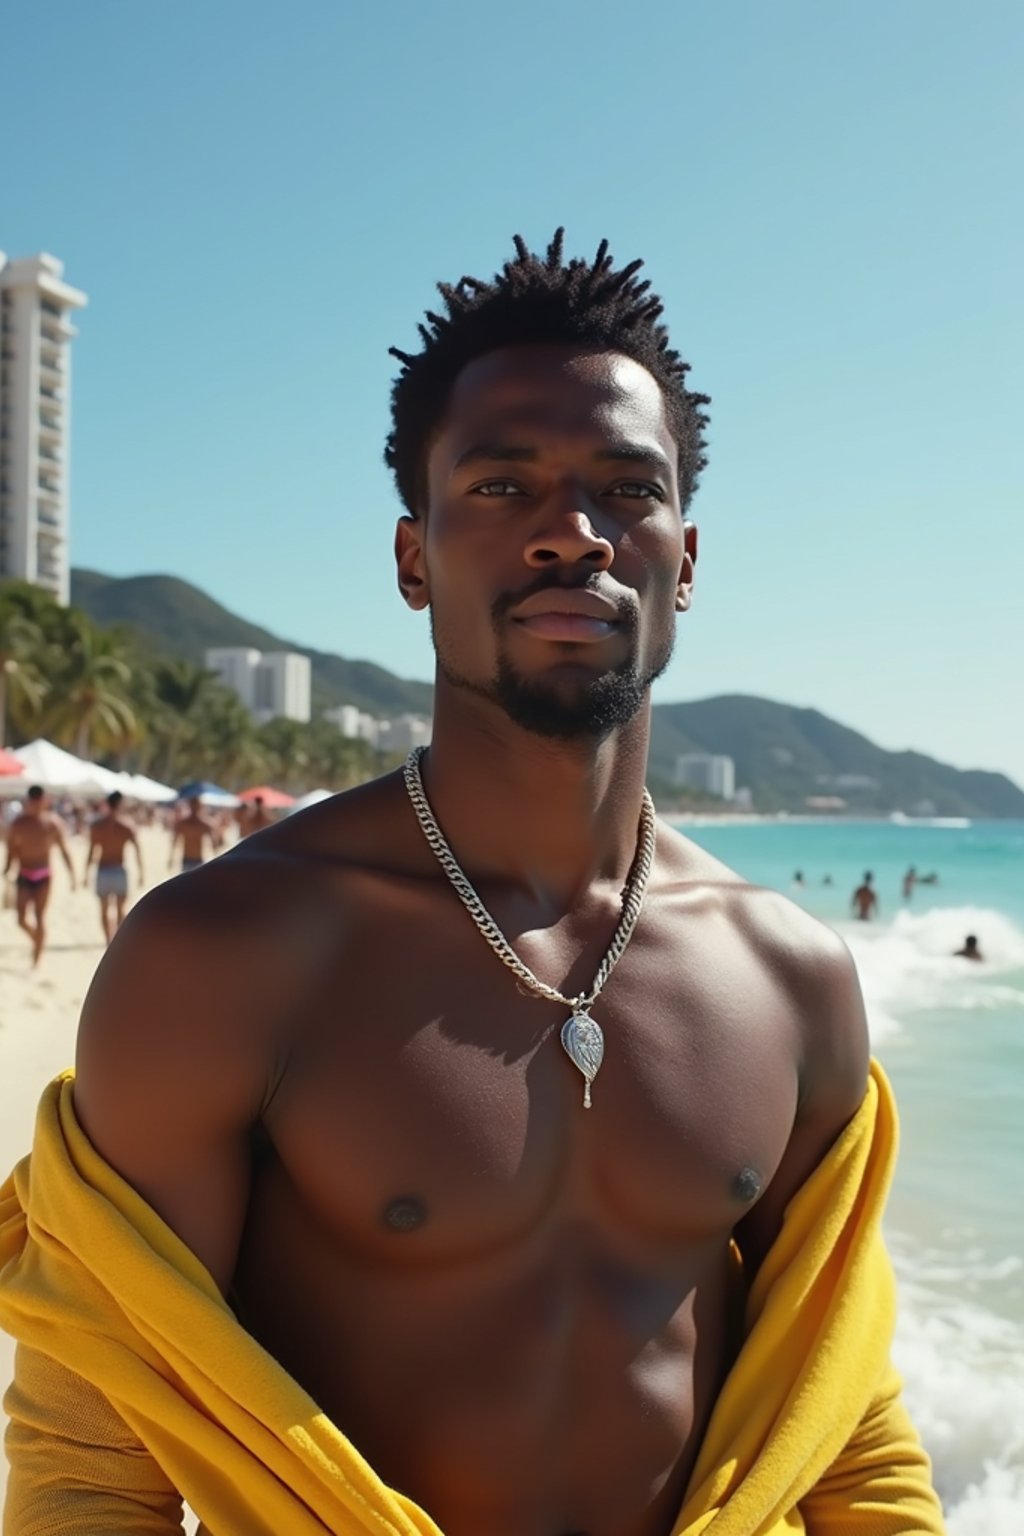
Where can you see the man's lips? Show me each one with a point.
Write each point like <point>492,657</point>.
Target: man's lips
<point>576,601</point>
<point>567,613</point>
<point>556,625</point>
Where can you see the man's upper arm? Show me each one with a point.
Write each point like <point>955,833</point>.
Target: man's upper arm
<point>834,1070</point>
<point>173,1065</point>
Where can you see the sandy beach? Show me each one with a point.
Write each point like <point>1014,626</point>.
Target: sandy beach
<point>39,1009</point>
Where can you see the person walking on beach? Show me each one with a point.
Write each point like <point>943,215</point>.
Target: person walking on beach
<point>482,1092</point>
<point>253,818</point>
<point>109,836</point>
<point>31,839</point>
<point>195,833</point>
<point>864,901</point>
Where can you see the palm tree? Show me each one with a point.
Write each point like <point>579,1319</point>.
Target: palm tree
<point>177,696</point>
<point>90,701</point>
<point>226,744</point>
<point>22,685</point>
<point>286,747</point>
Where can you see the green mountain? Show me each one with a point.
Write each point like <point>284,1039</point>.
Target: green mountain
<point>782,754</point>
<point>173,618</point>
<point>785,755</point>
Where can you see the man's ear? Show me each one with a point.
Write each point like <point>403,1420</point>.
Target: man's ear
<point>684,586</point>
<point>412,571</point>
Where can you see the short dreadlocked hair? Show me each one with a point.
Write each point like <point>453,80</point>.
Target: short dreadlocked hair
<point>536,299</point>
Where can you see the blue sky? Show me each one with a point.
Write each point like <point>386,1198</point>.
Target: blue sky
<point>258,199</point>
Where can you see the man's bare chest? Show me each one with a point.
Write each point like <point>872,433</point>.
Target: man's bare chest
<point>426,1097</point>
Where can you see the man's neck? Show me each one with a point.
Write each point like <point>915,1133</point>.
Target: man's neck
<point>550,817</point>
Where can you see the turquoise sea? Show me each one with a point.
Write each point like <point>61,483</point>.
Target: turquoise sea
<point>951,1037</point>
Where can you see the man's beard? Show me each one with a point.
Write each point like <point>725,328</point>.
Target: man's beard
<point>587,708</point>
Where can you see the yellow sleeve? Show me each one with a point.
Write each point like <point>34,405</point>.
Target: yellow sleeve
<point>76,1469</point>
<point>880,1484</point>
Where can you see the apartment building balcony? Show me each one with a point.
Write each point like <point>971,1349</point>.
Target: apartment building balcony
<point>53,397</point>
<point>50,426</point>
<point>53,311</point>
<point>51,521</point>
<point>51,336</point>
<point>48,490</point>
<point>52,455</point>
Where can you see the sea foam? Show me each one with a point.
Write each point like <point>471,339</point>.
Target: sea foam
<point>963,1370</point>
<point>909,965</point>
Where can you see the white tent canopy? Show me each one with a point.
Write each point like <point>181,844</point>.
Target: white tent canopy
<point>312,797</point>
<point>138,786</point>
<point>62,773</point>
<point>58,771</point>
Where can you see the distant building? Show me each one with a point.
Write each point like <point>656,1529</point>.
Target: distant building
<point>714,775</point>
<point>354,723</point>
<point>400,733</point>
<point>35,421</point>
<point>403,733</point>
<point>273,685</point>
<point>236,665</point>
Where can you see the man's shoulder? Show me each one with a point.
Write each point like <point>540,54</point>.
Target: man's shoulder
<point>370,828</point>
<point>806,961</point>
<point>783,929</point>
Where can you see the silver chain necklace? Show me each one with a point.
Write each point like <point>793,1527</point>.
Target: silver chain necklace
<point>582,1037</point>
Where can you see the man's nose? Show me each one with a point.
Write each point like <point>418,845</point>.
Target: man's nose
<point>569,535</point>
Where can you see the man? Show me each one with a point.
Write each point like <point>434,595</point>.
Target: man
<point>372,1134</point>
<point>970,950</point>
<point>253,817</point>
<point>31,839</point>
<point>109,836</point>
<point>195,832</point>
<point>909,881</point>
<point>864,901</point>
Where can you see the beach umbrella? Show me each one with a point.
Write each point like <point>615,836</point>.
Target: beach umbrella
<point>273,799</point>
<point>11,766</point>
<point>209,794</point>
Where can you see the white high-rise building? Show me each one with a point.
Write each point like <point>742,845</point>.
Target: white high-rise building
<point>282,686</point>
<point>272,684</point>
<point>236,665</point>
<point>35,420</point>
<point>702,770</point>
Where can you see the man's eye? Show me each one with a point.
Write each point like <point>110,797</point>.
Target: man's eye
<point>498,488</point>
<point>638,489</point>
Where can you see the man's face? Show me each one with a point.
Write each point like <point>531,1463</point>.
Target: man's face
<point>552,553</point>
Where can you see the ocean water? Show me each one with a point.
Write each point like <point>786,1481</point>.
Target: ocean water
<point>950,1034</point>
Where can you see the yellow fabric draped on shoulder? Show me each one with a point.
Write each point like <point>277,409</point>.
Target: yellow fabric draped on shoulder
<point>808,1433</point>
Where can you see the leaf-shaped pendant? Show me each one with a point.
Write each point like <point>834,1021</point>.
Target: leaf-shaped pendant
<point>584,1046</point>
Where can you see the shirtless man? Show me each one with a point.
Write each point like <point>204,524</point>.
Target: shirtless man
<point>864,901</point>
<point>253,818</point>
<point>109,836</point>
<point>31,839</point>
<point>194,831</point>
<point>358,1118</point>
